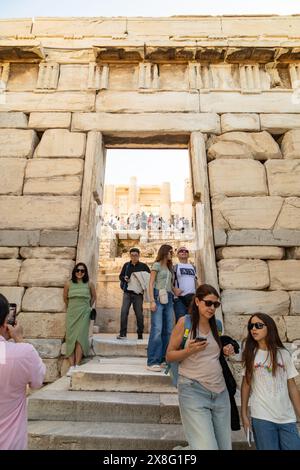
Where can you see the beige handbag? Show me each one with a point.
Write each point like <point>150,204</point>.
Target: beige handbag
<point>163,293</point>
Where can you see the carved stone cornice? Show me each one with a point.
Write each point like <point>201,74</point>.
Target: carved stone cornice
<point>21,50</point>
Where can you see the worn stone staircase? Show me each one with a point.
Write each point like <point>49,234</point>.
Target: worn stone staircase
<point>112,402</point>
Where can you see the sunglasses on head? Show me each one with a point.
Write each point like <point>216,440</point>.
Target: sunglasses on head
<point>78,270</point>
<point>257,326</point>
<point>210,303</point>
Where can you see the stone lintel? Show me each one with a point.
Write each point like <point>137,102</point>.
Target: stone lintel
<point>147,123</point>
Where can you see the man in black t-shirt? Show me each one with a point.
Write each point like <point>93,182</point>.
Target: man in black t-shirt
<point>131,297</point>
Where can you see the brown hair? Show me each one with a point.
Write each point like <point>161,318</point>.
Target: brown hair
<point>201,292</point>
<point>163,253</point>
<point>250,345</point>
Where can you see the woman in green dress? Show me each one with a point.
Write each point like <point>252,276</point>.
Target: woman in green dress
<point>79,296</point>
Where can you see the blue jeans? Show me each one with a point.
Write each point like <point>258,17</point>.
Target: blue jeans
<point>275,436</point>
<point>161,328</point>
<point>180,309</point>
<point>205,416</point>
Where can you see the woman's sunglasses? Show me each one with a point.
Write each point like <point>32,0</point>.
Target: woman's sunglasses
<point>209,303</point>
<point>257,326</point>
<point>80,270</point>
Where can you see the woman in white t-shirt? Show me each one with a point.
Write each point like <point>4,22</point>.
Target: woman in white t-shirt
<point>268,376</point>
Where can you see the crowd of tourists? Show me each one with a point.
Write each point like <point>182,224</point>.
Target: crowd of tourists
<point>144,221</point>
<point>186,340</point>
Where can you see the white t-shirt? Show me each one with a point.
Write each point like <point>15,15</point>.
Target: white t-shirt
<point>186,275</point>
<point>269,395</point>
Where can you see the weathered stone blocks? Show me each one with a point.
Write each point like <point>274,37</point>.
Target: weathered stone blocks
<point>9,271</point>
<point>58,238</point>
<point>259,252</point>
<point>47,252</point>
<point>256,145</point>
<point>293,328</point>
<point>12,175</point>
<point>243,274</point>
<point>13,120</point>
<point>135,102</point>
<point>13,295</point>
<point>248,302</point>
<point>19,237</point>
<point>47,348</point>
<point>237,178</point>
<point>7,252</point>
<point>42,325</point>
<point>283,177</point>
<point>249,212</point>
<point>43,121</point>
<point>293,253</point>
<point>61,143</point>
<point>44,273</point>
<point>278,124</point>
<point>290,144</point>
<point>52,369</point>
<point>284,274</point>
<point>17,143</point>
<point>39,212</point>
<point>289,217</point>
<point>43,299</point>
<point>263,237</point>
<point>295,303</point>
<point>54,176</point>
<point>47,102</point>
<point>240,122</point>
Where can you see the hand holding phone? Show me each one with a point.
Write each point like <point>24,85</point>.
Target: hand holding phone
<point>12,314</point>
<point>198,339</point>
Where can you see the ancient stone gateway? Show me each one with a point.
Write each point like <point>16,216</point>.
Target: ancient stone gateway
<point>70,88</point>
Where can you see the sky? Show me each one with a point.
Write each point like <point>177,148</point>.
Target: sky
<point>31,8</point>
<point>151,167</point>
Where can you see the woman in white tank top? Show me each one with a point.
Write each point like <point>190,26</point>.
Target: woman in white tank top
<point>203,397</point>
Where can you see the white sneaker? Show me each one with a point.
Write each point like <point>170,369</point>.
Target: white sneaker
<point>70,371</point>
<point>154,368</point>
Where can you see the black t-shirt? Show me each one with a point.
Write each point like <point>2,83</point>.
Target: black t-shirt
<point>129,268</point>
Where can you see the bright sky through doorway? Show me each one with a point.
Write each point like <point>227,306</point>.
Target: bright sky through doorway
<point>151,167</point>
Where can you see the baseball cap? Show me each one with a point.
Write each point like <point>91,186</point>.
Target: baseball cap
<point>182,248</point>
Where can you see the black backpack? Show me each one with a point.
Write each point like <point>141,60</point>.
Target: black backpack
<point>123,284</point>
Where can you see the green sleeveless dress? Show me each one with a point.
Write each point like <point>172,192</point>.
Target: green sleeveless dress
<point>78,317</point>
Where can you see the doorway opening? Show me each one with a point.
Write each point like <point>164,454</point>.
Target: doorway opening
<point>147,202</point>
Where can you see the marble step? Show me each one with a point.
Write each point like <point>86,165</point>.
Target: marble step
<point>107,345</point>
<point>74,435</point>
<point>120,374</point>
<point>56,402</point>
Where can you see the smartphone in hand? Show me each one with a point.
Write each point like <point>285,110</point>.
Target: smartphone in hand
<point>198,339</point>
<point>12,314</point>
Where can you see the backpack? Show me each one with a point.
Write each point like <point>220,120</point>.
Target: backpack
<point>123,284</point>
<point>172,367</point>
